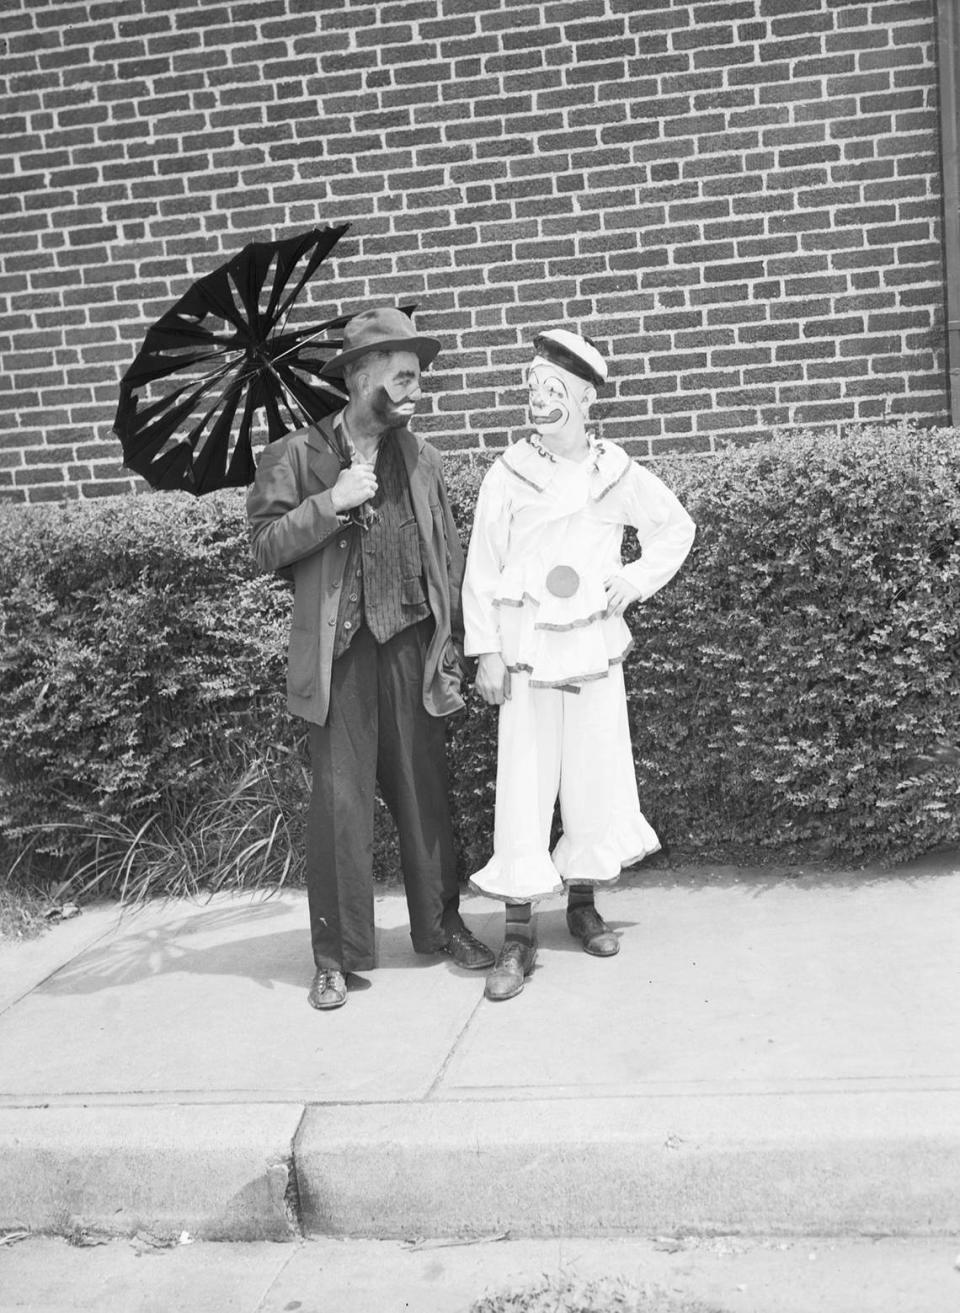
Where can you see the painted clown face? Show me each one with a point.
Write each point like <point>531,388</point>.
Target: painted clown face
<point>557,400</point>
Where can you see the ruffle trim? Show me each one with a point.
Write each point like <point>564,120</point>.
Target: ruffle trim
<point>610,486</point>
<point>531,878</point>
<point>537,487</point>
<point>582,862</point>
<point>570,683</point>
<point>582,622</point>
<point>518,879</point>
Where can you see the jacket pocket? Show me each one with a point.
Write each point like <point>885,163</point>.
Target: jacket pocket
<point>302,662</point>
<point>411,591</point>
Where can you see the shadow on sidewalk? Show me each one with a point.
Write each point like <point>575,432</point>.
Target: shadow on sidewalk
<point>218,941</point>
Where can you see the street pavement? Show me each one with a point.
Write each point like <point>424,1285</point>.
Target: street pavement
<point>772,1053</point>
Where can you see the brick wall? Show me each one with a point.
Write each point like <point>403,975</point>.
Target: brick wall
<point>739,199</point>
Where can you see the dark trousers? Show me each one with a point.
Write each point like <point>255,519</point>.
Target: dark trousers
<point>378,733</point>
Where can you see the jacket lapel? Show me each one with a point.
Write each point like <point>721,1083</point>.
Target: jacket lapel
<point>410,448</point>
<point>322,460</point>
<point>421,483</point>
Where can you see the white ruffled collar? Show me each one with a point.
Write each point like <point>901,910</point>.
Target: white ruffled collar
<point>531,462</point>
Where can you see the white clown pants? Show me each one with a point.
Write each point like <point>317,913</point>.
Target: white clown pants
<point>577,745</point>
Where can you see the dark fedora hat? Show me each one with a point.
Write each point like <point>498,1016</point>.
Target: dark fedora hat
<point>381,328</point>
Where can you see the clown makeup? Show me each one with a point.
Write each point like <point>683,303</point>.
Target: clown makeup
<point>395,388</point>
<point>554,397</point>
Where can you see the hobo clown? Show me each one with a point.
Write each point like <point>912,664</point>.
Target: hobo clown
<point>544,598</point>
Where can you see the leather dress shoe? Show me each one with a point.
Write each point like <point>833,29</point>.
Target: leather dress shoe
<point>467,951</point>
<point>514,961</point>
<point>329,990</point>
<point>586,924</point>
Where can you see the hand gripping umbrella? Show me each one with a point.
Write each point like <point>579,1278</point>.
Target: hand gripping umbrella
<point>189,403</point>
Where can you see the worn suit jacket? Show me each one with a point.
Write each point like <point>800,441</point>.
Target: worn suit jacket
<point>294,529</point>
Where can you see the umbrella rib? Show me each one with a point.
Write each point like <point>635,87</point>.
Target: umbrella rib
<point>193,435</point>
<point>208,379</point>
<point>284,308</point>
<point>200,388</point>
<point>302,342</point>
<point>330,237</point>
<point>162,405</point>
<point>288,392</point>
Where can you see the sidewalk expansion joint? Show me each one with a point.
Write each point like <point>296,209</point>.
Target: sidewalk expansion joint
<point>292,1199</point>
<point>55,971</point>
<point>451,1053</point>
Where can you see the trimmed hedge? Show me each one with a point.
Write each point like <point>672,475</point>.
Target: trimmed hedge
<point>794,692</point>
<point>801,680</point>
<point>140,652</point>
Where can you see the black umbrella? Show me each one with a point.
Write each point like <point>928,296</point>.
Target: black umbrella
<point>221,361</point>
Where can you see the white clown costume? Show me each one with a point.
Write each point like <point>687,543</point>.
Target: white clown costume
<point>547,534</point>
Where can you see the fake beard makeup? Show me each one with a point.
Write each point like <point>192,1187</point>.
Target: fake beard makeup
<point>393,404</point>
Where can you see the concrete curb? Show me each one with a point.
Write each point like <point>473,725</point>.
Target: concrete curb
<point>221,1173</point>
<point>820,1164</point>
<point>848,1164</point>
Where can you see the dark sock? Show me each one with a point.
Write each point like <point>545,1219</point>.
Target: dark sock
<point>519,922</point>
<point>579,895</point>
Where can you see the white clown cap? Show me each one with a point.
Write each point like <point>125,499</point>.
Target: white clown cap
<point>574,353</point>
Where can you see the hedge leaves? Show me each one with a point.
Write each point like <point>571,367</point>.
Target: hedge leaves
<point>794,693</point>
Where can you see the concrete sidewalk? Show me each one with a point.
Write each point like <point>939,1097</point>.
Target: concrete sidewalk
<point>716,1274</point>
<point>767,1055</point>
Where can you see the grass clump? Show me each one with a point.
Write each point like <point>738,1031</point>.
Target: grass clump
<point>23,911</point>
<point>569,1294</point>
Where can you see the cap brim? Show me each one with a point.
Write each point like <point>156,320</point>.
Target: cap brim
<point>424,348</point>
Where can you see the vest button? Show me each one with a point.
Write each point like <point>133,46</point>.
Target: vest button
<point>354,597</point>
<point>332,620</point>
<point>347,624</point>
<point>342,542</point>
<point>336,583</point>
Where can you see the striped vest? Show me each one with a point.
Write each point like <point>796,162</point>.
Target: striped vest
<point>383,572</point>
